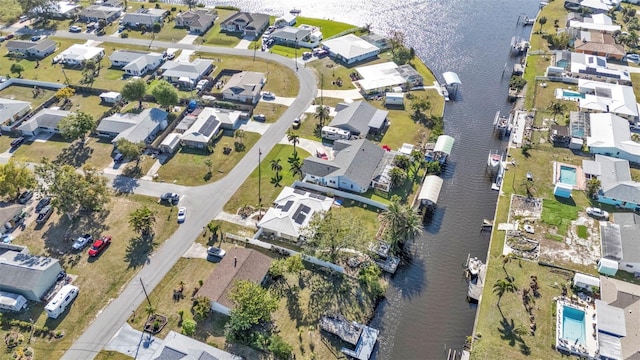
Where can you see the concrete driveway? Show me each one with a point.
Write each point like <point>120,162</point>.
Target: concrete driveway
<point>279,100</point>
<point>134,343</point>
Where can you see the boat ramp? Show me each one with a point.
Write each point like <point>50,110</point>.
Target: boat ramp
<point>476,272</point>
<point>363,337</point>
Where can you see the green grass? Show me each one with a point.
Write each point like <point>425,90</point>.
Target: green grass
<point>25,93</point>
<point>367,215</point>
<point>328,27</point>
<point>582,231</point>
<point>9,11</point>
<point>111,355</point>
<point>247,194</point>
<point>217,38</point>
<point>553,11</point>
<point>558,214</point>
<point>187,166</point>
<point>272,111</point>
<point>35,151</point>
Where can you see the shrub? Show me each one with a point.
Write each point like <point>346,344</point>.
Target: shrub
<point>189,327</point>
<point>173,8</point>
<point>201,308</point>
<point>124,35</point>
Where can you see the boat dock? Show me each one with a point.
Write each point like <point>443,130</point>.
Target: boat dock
<point>476,272</point>
<point>363,337</point>
<point>502,124</point>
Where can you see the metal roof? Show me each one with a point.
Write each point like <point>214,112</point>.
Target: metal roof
<point>431,189</point>
<point>451,78</point>
<point>444,144</point>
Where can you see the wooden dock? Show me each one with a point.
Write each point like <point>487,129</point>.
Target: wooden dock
<point>478,272</point>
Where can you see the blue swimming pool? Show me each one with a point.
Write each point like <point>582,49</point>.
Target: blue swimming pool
<point>568,175</point>
<point>572,94</point>
<point>573,328</point>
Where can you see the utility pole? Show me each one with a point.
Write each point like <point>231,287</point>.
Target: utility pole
<point>295,52</point>
<point>145,292</point>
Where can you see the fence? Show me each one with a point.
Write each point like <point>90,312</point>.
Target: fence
<point>25,82</point>
<point>343,194</point>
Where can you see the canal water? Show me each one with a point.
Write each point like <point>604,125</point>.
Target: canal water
<point>425,310</point>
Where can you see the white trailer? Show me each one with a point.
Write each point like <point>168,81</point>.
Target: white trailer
<point>12,302</point>
<point>61,300</point>
<point>333,133</point>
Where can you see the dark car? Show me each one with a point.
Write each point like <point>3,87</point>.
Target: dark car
<point>42,203</point>
<point>10,36</point>
<point>36,38</point>
<point>170,197</point>
<point>44,214</point>
<point>25,197</point>
<point>17,141</point>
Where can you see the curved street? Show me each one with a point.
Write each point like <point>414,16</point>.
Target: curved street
<point>204,202</point>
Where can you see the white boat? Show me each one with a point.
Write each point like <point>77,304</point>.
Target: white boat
<point>445,94</point>
<point>493,162</point>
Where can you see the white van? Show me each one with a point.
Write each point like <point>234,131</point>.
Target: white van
<point>61,300</point>
<point>333,133</point>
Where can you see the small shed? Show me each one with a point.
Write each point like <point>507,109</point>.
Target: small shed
<point>406,149</point>
<point>430,190</point>
<point>576,143</point>
<point>607,267</point>
<point>586,282</point>
<point>394,98</point>
<point>170,143</point>
<point>563,190</point>
<point>12,302</point>
<point>111,97</point>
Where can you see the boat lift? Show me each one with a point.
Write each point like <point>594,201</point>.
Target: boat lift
<point>451,83</point>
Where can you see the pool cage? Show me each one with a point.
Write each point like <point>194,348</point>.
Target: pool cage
<point>579,126</point>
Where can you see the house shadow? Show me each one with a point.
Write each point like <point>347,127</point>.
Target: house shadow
<point>566,201</point>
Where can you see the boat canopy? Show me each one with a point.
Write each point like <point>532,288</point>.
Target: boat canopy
<point>451,78</point>
<point>430,189</point>
<point>444,144</point>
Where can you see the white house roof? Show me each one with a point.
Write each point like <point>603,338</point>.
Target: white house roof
<point>143,61</point>
<point>610,319</point>
<point>109,95</point>
<point>599,22</point>
<point>48,118</point>
<point>590,64</point>
<point>584,279</point>
<point>177,346</point>
<point>171,140</point>
<point>451,78</point>
<point>226,117</point>
<point>9,108</point>
<point>133,127</point>
<point>379,76</point>
<point>431,187</point>
<point>292,210</point>
<point>618,99</point>
<point>81,52</point>
<point>611,131</point>
<point>349,46</point>
<point>597,4</point>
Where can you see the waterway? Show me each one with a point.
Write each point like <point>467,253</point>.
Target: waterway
<point>425,310</point>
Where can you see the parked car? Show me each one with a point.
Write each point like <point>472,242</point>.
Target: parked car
<point>170,197</point>
<point>268,95</point>
<point>81,242</point>
<point>17,141</point>
<point>216,252</point>
<point>633,57</point>
<point>2,38</point>
<point>597,213</point>
<point>171,56</point>
<point>25,197</point>
<point>259,117</point>
<point>202,84</point>
<point>75,29</point>
<point>182,214</point>
<point>23,18</point>
<point>121,28</point>
<point>306,55</point>
<point>44,214</point>
<point>36,38</point>
<point>118,158</point>
<point>42,203</point>
<point>99,245</point>
<point>10,36</point>
<point>296,123</point>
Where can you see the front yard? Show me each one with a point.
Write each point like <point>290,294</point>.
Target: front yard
<point>271,110</point>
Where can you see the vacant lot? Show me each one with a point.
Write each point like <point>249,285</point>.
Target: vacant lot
<point>100,279</point>
<point>271,110</point>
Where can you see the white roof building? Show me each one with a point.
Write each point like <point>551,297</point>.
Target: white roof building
<point>292,210</point>
<point>78,53</point>
<point>350,48</point>
<point>610,135</point>
<point>606,97</point>
<point>598,22</point>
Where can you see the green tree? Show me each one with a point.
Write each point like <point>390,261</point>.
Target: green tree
<point>76,126</point>
<point>420,106</point>
<point>293,138</point>
<point>434,167</point>
<point>209,164</point>
<point>501,287</point>
<point>289,265</point>
<point>252,306</point>
<point>396,40</point>
<point>277,167</point>
<point>402,161</point>
<point>96,192</point>
<point>517,82</point>
<point>143,220</point>
<point>321,114</point>
<point>402,56</point>
<point>201,308</point>
<point>15,176</point>
<point>239,143</point>
<point>43,8</point>
<point>166,95</point>
<point>157,27</point>
<point>130,150</point>
<point>327,237</point>
<point>65,93</point>
<point>17,68</point>
<point>593,186</point>
<point>189,327</point>
<point>397,176</point>
<point>369,276</point>
<point>135,90</point>
<point>295,165</point>
<point>557,108</point>
<point>542,21</point>
<point>280,349</point>
<point>403,223</point>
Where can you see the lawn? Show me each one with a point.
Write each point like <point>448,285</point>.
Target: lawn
<point>100,279</point>
<point>559,214</point>
<point>271,110</point>
<point>553,11</point>
<point>328,72</point>
<point>25,93</point>
<point>96,152</point>
<point>329,28</point>
<point>36,151</point>
<point>247,194</point>
<point>111,355</point>
<point>307,129</point>
<point>216,38</point>
<point>187,166</point>
<point>367,215</point>
<point>9,11</point>
<point>280,80</point>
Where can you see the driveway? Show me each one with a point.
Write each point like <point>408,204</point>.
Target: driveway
<point>188,39</point>
<point>310,146</point>
<point>134,343</point>
<point>255,126</point>
<point>352,94</point>
<point>244,43</point>
<point>280,100</point>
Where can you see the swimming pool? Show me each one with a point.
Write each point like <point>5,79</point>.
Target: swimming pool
<point>568,175</point>
<point>572,94</point>
<point>573,328</point>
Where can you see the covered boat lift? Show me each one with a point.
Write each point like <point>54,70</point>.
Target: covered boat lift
<point>451,82</point>
<point>441,150</point>
<point>430,191</point>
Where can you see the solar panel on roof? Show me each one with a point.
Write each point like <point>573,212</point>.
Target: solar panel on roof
<point>304,208</point>
<point>286,206</point>
<point>207,128</point>
<point>299,219</point>
<point>299,192</point>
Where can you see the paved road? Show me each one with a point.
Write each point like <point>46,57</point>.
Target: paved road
<point>203,202</point>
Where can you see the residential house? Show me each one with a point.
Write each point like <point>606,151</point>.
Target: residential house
<point>598,22</point>
<point>360,118</point>
<point>354,168</point>
<point>11,111</point>
<point>228,119</point>
<point>350,49</point>
<point>176,346</point>
<point>136,63</point>
<point>39,49</point>
<point>607,97</point>
<point>144,17</point>
<point>617,319</point>
<point>249,24</point>
<point>46,120</point>
<point>95,13</point>
<point>600,44</point>
<point>621,241</point>
<point>384,77</point>
<point>111,3</point>
<point>571,66</point>
<point>599,6</point>
<point>142,127</point>
<point>304,36</point>
<point>186,74</point>
<point>291,212</point>
<point>58,10</point>
<point>200,134</point>
<point>244,86</point>
<point>238,264</point>
<point>111,97</point>
<point>197,21</point>
<point>28,275</point>
<point>617,188</point>
<point>79,54</point>
<point>610,135</point>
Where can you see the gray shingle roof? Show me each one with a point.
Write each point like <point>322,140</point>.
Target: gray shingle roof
<point>143,61</point>
<point>254,20</point>
<point>611,241</point>
<point>198,17</point>
<point>126,55</point>
<point>245,82</point>
<point>191,70</point>
<point>48,118</point>
<point>30,45</point>
<point>358,117</point>
<point>290,33</point>
<point>99,12</point>
<point>9,108</point>
<point>616,179</point>
<point>133,127</point>
<point>21,271</point>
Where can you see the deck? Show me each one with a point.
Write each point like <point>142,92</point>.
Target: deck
<point>363,337</point>
<point>477,285</point>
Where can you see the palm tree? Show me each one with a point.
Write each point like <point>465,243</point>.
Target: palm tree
<point>505,260</point>
<point>275,165</point>
<point>295,166</point>
<point>142,220</point>
<point>403,223</point>
<point>322,114</point>
<point>397,176</point>
<point>557,108</point>
<point>501,287</point>
<point>293,138</point>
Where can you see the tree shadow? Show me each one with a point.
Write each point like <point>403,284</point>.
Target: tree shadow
<point>124,184</point>
<point>75,155</point>
<point>506,331</point>
<point>134,172</point>
<point>525,349</point>
<point>59,236</point>
<point>138,251</point>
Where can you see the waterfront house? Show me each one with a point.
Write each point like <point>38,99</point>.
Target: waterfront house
<point>39,49</point>
<point>600,44</point>
<point>176,346</point>
<point>598,22</point>
<point>11,111</point>
<point>350,49</point>
<point>385,77</point>
<point>302,36</point>
<point>95,13</point>
<point>610,135</point>
<point>244,86</point>
<point>599,6</point>
<point>288,19</point>
<point>291,212</point>
<point>617,318</point>
<point>196,21</point>
<point>79,54</point>
<point>621,241</point>
<point>606,97</point>
<point>248,24</point>
<point>617,188</point>
<point>144,17</point>
<point>28,275</point>
<point>360,118</point>
<point>357,166</point>
<point>136,63</point>
<point>238,264</point>
<point>186,74</point>
<point>141,127</point>
<point>46,120</point>
<point>571,66</point>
